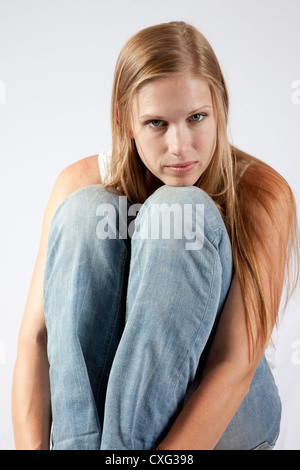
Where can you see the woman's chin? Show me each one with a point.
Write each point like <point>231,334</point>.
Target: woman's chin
<point>180,181</point>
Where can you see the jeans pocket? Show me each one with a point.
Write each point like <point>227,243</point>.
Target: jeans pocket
<point>264,446</point>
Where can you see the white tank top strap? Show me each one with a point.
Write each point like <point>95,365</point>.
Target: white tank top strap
<point>104,161</point>
<point>241,173</point>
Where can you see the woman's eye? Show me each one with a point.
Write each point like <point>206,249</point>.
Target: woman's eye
<point>156,123</point>
<point>197,117</point>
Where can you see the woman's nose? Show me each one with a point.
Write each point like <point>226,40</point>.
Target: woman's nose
<point>178,141</point>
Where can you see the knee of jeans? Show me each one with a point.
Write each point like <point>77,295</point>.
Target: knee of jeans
<point>189,199</point>
<point>80,213</point>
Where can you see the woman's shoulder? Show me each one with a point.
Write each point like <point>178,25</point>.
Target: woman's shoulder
<point>94,169</point>
<point>264,194</point>
<point>83,172</point>
<point>255,175</point>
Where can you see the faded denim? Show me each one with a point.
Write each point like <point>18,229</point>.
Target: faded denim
<point>129,323</point>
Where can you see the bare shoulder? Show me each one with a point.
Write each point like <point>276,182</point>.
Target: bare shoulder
<point>82,173</point>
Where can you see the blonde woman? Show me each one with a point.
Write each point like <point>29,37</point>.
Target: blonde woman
<point>160,273</point>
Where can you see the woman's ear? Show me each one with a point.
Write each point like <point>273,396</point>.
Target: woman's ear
<point>130,133</point>
<point>129,128</point>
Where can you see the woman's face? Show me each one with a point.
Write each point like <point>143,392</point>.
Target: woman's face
<point>174,127</point>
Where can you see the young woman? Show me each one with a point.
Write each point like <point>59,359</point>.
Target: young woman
<point>157,341</point>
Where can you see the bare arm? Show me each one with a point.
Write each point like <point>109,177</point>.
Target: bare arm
<point>31,391</point>
<point>31,410</point>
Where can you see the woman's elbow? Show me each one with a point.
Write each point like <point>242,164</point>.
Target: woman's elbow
<point>237,377</point>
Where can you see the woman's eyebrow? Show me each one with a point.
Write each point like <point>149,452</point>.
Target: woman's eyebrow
<point>150,116</point>
<point>159,117</point>
<point>200,108</point>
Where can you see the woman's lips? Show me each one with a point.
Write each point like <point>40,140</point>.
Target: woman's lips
<point>182,167</point>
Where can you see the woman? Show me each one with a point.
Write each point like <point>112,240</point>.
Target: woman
<point>158,341</point>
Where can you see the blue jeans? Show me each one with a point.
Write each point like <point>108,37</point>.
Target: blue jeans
<point>130,320</point>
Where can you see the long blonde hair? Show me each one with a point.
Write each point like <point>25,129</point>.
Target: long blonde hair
<point>175,48</point>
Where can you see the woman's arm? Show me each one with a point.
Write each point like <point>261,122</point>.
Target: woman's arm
<point>230,368</point>
<point>31,389</point>
<point>31,394</point>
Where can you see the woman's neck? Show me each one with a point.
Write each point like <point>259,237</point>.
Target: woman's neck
<point>152,183</point>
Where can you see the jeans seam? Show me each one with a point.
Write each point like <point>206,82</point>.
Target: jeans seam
<point>216,231</point>
<point>262,445</point>
<point>201,325</point>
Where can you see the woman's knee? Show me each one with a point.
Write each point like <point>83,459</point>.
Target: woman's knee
<point>79,259</point>
<point>188,209</point>
<point>80,214</point>
<point>180,194</point>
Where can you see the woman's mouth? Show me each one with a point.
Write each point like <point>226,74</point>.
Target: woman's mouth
<point>181,167</point>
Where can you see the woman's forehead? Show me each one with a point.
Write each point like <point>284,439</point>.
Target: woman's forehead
<point>183,91</point>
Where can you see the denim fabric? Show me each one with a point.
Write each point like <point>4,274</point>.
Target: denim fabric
<point>130,320</point>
